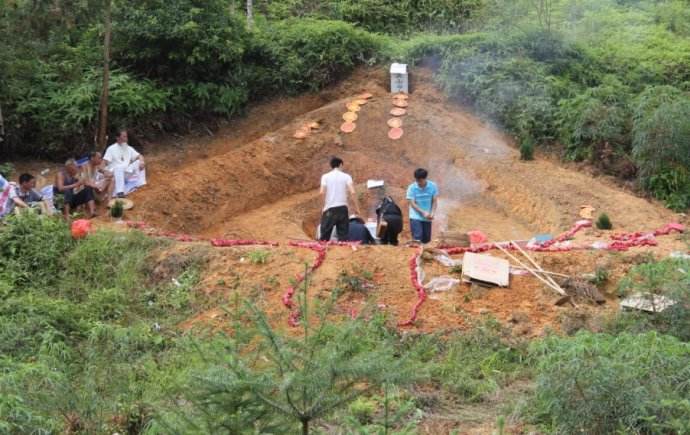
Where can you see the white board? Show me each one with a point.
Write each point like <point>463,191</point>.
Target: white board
<point>485,268</point>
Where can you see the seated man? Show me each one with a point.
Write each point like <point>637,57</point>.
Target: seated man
<point>390,221</point>
<point>75,191</point>
<point>358,232</point>
<point>124,161</point>
<point>24,197</point>
<point>96,176</point>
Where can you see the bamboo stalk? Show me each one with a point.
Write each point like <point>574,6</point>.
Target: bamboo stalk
<point>533,272</point>
<point>536,265</point>
<point>545,272</point>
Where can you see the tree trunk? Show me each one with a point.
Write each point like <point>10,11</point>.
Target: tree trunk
<point>250,14</point>
<point>305,427</point>
<point>2,125</point>
<point>103,112</point>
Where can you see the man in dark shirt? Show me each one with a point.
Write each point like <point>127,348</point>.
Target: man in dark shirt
<point>358,232</point>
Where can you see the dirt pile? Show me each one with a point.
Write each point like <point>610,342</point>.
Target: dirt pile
<point>256,180</point>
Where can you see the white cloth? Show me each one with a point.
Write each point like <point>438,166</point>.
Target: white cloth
<point>120,155</point>
<point>336,184</point>
<point>128,178</point>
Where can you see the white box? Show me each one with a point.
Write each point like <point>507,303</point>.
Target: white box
<point>399,78</point>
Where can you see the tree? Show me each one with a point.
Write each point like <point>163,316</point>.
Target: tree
<point>103,112</point>
<point>250,14</point>
<point>299,379</point>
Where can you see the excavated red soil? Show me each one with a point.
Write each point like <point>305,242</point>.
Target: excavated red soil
<point>253,179</point>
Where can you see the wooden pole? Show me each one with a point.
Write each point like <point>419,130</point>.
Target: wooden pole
<point>250,14</point>
<point>103,112</point>
<point>533,272</point>
<point>535,264</point>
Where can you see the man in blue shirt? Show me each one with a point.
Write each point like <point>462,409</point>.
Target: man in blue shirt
<point>422,195</point>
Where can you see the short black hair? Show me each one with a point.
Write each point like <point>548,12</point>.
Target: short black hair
<point>25,178</point>
<point>336,162</point>
<point>420,174</point>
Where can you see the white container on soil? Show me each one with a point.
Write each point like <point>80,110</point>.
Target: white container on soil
<point>399,78</point>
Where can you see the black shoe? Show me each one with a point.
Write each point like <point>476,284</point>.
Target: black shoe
<point>121,195</point>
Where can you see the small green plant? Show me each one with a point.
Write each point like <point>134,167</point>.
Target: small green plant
<point>363,410</point>
<point>359,281</point>
<point>601,276</point>
<point>604,222</point>
<point>527,149</point>
<point>117,210</point>
<point>259,256</point>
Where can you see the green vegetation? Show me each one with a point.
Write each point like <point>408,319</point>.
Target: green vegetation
<point>612,384</point>
<point>259,256</point>
<point>95,322</point>
<point>603,222</point>
<point>117,210</point>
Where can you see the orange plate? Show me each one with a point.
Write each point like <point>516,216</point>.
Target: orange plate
<point>398,112</point>
<point>352,107</point>
<point>348,127</point>
<point>395,133</point>
<point>350,116</point>
<point>400,103</point>
<point>395,123</point>
<point>401,96</point>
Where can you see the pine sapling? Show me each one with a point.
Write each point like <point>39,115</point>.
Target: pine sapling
<point>604,222</point>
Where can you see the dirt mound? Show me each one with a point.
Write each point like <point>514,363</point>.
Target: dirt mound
<point>256,180</point>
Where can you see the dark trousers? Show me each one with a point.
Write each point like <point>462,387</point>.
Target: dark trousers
<point>394,228</point>
<point>75,200</point>
<point>421,230</point>
<point>335,217</point>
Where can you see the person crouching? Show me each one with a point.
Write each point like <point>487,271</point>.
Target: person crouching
<point>75,191</point>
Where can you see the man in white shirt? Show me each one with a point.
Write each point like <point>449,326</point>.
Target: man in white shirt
<point>336,186</point>
<point>124,161</point>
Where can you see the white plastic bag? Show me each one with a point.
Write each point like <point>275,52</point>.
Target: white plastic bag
<point>441,284</point>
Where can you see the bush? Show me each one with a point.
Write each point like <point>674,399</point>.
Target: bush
<point>31,249</point>
<point>604,222</point>
<point>304,55</point>
<point>527,149</point>
<point>611,384</point>
<point>595,120</point>
<point>661,144</point>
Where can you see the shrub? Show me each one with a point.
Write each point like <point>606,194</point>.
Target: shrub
<point>598,383</point>
<point>661,144</point>
<point>527,149</point>
<point>603,222</point>
<point>595,120</point>
<point>32,248</point>
<point>297,55</point>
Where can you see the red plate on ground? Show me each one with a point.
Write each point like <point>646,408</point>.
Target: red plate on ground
<point>398,112</point>
<point>348,127</point>
<point>395,122</point>
<point>400,103</point>
<point>395,133</point>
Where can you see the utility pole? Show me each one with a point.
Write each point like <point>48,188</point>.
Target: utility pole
<point>103,112</point>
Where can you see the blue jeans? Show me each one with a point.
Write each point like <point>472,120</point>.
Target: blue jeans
<point>421,230</point>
